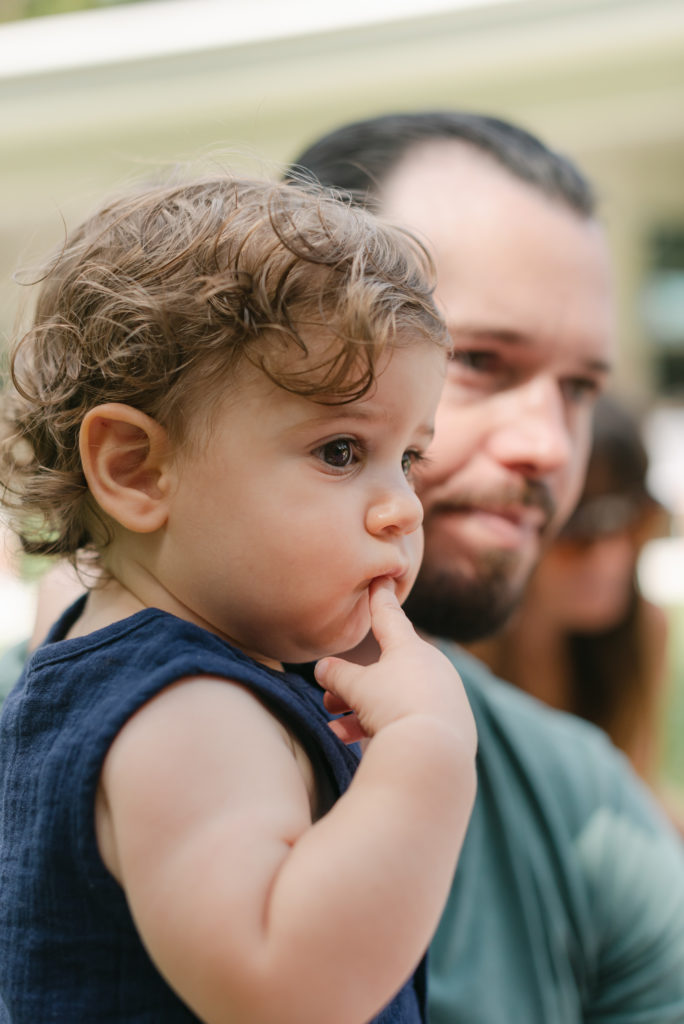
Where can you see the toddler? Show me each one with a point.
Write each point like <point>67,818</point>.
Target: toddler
<point>221,404</point>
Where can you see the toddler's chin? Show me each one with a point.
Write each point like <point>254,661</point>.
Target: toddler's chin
<point>365,652</point>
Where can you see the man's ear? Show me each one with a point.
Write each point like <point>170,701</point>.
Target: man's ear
<point>126,458</point>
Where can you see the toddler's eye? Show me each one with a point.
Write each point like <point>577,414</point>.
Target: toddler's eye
<point>409,461</point>
<point>338,453</point>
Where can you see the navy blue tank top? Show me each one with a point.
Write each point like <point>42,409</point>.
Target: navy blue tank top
<point>69,951</point>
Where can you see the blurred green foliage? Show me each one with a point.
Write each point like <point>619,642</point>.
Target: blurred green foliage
<point>14,10</point>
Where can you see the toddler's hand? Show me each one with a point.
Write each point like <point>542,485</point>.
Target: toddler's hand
<point>411,677</point>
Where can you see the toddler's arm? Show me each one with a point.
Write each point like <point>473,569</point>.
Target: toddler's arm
<point>252,913</point>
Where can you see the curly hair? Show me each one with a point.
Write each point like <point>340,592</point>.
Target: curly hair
<point>157,298</point>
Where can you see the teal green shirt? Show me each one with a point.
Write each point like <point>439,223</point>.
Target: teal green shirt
<point>568,900</point>
<point>11,664</point>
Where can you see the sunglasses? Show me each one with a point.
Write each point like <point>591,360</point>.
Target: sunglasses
<point>604,516</point>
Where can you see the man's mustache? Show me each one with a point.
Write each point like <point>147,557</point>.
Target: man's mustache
<point>526,494</point>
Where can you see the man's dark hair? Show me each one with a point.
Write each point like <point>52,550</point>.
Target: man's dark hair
<point>359,156</point>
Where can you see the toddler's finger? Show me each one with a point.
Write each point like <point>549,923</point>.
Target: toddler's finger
<point>388,622</point>
<point>337,676</point>
<point>348,729</point>
<point>336,705</point>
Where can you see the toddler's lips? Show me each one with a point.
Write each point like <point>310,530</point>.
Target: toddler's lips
<point>398,578</point>
<point>396,574</point>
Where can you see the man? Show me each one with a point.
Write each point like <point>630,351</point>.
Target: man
<point>568,902</point>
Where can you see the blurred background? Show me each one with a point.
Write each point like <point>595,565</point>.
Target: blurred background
<point>94,94</point>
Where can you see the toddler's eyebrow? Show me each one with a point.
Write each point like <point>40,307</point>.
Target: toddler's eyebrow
<point>367,414</point>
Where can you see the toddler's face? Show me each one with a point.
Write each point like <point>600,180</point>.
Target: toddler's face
<point>277,529</point>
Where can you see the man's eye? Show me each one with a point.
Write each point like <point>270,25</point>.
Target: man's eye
<point>338,453</point>
<point>581,389</point>
<point>474,359</point>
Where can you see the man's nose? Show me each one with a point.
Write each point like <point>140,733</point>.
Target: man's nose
<point>394,509</point>
<point>531,432</point>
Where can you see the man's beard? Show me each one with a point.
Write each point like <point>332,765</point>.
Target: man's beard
<point>454,607</point>
<point>462,606</point>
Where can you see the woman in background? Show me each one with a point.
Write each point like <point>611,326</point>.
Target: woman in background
<point>585,639</point>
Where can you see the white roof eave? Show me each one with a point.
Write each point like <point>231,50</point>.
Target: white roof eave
<point>158,28</point>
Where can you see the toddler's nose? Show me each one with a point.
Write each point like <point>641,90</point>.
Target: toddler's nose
<point>395,511</point>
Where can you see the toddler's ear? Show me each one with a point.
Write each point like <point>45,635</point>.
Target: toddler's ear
<point>126,461</point>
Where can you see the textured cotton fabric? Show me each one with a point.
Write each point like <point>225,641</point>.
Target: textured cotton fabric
<point>568,902</point>
<point>69,951</point>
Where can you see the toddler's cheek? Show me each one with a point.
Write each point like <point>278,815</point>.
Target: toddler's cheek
<point>416,545</point>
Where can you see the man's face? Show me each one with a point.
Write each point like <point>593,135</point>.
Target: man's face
<point>525,286</point>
